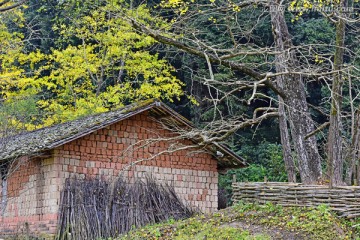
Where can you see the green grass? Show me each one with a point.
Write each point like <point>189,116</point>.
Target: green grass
<point>309,223</point>
<point>314,223</point>
<point>196,228</point>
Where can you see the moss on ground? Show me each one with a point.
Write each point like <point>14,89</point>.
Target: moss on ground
<point>253,221</point>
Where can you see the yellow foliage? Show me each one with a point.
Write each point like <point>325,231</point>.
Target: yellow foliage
<point>111,66</point>
<point>301,6</point>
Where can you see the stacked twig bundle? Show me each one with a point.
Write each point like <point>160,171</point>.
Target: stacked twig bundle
<point>93,209</point>
<point>345,200</point>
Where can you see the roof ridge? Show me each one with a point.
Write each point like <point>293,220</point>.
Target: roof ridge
<point>120,109</point>
<point>43,139</point>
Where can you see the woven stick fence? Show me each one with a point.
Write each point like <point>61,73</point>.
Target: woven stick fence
<point>96,209</point>
<point>344,200</point>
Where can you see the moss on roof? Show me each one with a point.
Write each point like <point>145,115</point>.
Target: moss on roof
<point>35,142</point>
<point>27,143</point>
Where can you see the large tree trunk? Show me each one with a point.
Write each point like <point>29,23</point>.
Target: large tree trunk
<point>353,151</point>
<point>334,154</point>
<point>295,101</point>
<point>285,142</point>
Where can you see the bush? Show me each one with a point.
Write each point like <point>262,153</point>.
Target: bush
<point>271,166</point>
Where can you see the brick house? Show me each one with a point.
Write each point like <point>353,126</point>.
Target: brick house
<point>37,163</point>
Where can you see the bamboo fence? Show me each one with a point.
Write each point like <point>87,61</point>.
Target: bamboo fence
<point>345,200</point>
<point>97,209</point>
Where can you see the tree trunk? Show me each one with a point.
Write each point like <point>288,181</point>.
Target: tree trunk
<point>335,155</point>
<point>353,151</point>
<point>295,101</point>
<point>285,142</point>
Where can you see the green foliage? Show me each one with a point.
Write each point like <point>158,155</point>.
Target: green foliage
<point>16,114</point>
<point>268,163</point>
<point>312,31</point>
<point>354,224</point>
<point>264,154</point>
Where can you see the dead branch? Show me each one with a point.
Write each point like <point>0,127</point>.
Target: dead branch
<point>7,8</point>
<point>197,52</point>
<point>320,128</point>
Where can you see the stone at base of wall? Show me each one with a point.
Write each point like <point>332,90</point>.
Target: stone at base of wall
<point>42,236</point>
<point>41,226</point>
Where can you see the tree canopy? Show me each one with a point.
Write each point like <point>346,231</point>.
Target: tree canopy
<point>101,63</point>
<point>278,73</point>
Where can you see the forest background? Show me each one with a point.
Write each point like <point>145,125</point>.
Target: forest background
<point>277,81</point>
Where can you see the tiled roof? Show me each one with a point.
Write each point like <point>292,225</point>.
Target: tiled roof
<point>34,142</point>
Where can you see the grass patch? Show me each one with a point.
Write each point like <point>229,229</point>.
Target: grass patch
<point>197,228</point>
<point>312,223</point>
<point>253,221</point>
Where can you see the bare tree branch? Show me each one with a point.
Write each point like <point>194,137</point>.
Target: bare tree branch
<point>7,8</point>
<point>320,128</point>
<point>233,65</point>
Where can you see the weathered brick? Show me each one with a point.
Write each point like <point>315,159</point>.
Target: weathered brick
<point>188,172</point>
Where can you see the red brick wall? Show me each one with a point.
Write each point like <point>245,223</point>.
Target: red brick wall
<point>108,152</point>
<point>30,183</point>
<point>107,146</point>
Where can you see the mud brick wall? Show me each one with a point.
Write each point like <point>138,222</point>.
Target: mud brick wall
<point>34,188</point>
<point>108,152</point>
<point>32,198</point>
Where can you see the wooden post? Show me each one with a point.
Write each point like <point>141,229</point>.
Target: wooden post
<point>234,178</point>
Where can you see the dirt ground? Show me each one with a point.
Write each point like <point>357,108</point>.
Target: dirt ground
<point>274,233</point>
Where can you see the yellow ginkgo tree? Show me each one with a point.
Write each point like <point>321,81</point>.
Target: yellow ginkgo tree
<point>15,109</point>
<point>110,65</point>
